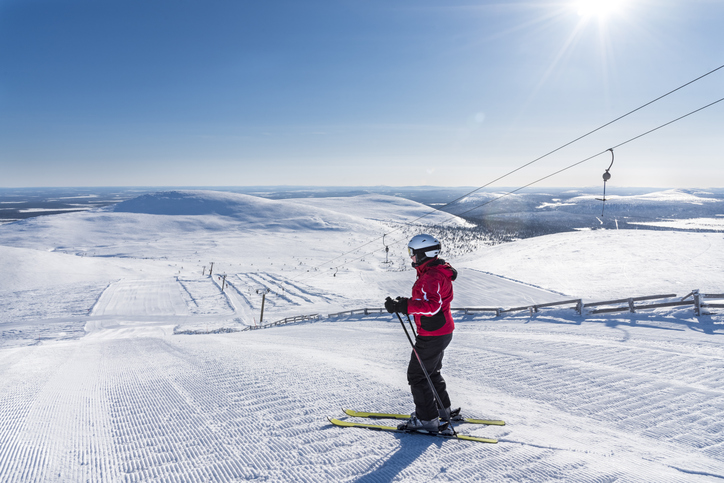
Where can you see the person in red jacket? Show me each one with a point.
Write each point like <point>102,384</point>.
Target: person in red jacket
<point>432,294</point>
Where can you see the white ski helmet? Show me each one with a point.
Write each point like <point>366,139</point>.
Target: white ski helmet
<point>424,247</point>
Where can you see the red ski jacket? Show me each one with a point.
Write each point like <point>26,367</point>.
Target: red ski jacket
<point>431,298</point>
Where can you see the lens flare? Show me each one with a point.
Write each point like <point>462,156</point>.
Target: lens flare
<point>598,8</point>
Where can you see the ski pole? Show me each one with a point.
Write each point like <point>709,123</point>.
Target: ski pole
<point>422,366</point>
<point>412,328</point>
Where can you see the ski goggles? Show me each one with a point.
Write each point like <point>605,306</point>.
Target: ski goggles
<point>412,251</point>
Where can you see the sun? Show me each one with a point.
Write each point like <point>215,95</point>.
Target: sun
<point>598,8</point>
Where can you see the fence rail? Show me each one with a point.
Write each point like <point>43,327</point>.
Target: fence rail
<point>632,307</point>
<point>711,296</point>
<point>288,320</point>
<point>634,299</point>
<point>534,308</point>
<point>467,310</point>
<point>358,311</point>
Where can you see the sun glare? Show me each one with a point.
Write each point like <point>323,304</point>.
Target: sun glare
<point>598,8</point>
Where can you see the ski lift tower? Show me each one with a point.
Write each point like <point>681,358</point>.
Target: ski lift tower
<point>387,251</point>
<point>262,291</point>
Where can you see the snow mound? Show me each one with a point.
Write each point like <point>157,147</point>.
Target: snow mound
<point>247,208</point>
<point>384,207</point>
<point>195,203</point>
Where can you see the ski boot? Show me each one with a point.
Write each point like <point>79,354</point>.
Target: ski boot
<point>424,426</point>
<point>450,415</point>
<point>445,429</point>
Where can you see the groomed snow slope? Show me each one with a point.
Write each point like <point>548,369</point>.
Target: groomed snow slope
<point>605,264</point>
<point>95,386</point>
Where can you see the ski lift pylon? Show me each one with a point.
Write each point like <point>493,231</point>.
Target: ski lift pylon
<point>606,177</point>
<point>387,249</point>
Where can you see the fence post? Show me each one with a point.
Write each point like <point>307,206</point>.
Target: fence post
<point>263,292</point>
<point>697,302</point>
<point>631,307</point>
<point>579,307</point>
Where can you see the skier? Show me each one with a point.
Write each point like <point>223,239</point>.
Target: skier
<point>430,305</point>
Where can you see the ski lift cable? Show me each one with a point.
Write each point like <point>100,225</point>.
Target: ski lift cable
<point>573,141</point>
<point>524,165</point>
<point>540,179</point>
<point>594,156</point>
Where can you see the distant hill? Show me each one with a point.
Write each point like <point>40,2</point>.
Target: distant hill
<point>549,211</point>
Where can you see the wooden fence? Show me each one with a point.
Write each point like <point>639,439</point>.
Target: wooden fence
<point>698,302</point>
<point>358,312</point>
<point>631,304</point>
<point>699,305</point>
<point>288,320</point>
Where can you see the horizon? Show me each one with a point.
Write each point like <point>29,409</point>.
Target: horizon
<point>631,208</point>
<point>290,187</point>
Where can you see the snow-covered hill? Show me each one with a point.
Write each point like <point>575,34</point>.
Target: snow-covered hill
<point>253,211</point>
<point>384,208</point>
<point>95,386</point>
<point>543,212</point>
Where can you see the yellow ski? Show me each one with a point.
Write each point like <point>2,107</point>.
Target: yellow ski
<point>361,414</point>
<point>381,427</point>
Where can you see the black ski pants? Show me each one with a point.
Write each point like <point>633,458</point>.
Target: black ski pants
<point>431,349</point>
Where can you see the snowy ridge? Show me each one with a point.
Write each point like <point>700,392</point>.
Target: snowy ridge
<point>310,214</point>
<point>673,196</point>
<point>383,208</point>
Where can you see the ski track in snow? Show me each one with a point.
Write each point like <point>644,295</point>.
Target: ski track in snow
<point>127,407</point>
<point>283,292</point>
<point>141,297</point>
<point>204,297</point>
<point>52,313</point>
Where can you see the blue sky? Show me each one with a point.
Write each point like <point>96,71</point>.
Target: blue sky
<point>353,92</point>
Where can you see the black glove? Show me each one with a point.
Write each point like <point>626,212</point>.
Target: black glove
<point>402,305</point>
<point>399,305</point>
<point>390,305</point>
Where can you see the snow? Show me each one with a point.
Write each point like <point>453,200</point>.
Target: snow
<point>606,264</point>
<point>541,213</point>
<point>42,210</point>
<point>384,208</point>
<point>96,384</point>
<point>251,210</point>
<point>674,195</point>
<point>689,224</point>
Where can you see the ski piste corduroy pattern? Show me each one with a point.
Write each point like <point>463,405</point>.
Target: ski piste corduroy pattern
<point>432,295</point>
